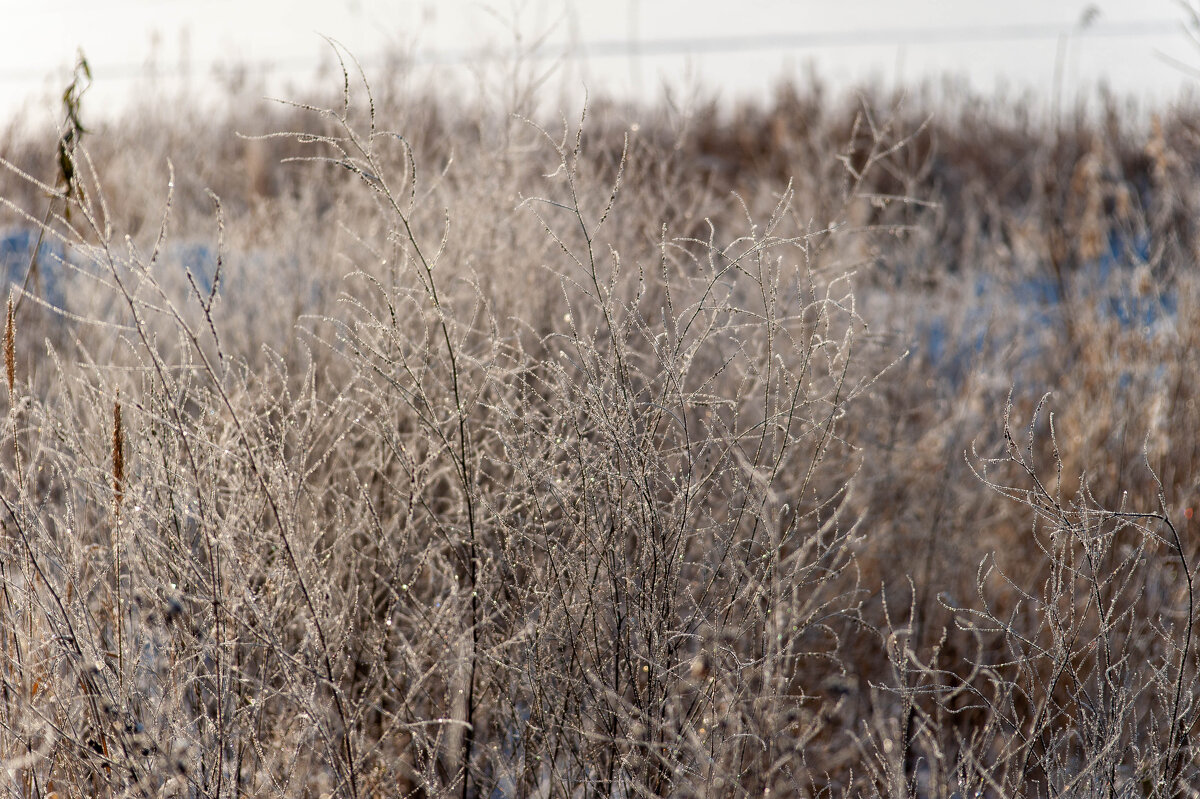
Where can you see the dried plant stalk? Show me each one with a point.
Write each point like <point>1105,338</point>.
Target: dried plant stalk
<point>10,348</point>
<point>118,457</point>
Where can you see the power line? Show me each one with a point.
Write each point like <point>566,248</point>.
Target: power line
<point>972,34</point>
<point>881,36</point>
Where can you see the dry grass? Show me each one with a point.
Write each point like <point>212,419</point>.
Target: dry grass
<point>425,451</point>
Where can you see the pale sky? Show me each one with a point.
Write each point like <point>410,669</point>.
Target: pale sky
<point>626,47</point>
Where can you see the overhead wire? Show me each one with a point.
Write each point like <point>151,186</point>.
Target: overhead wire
<point>642,48</point>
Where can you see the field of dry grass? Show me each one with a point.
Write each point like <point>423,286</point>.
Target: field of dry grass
<point>389,447</point>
